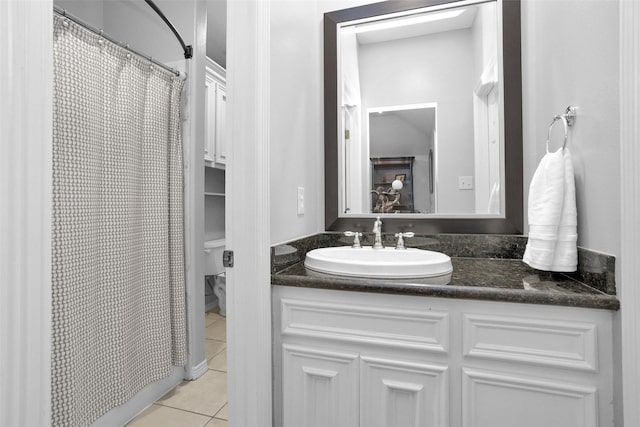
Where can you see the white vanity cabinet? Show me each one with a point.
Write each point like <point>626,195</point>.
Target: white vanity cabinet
<point>215,149</point>
<point>346,358</point>
<point>397,392</point>
<point>320,386</point>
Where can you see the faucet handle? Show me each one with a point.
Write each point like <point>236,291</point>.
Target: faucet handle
<point>400,236</point>
<point>356,238</point>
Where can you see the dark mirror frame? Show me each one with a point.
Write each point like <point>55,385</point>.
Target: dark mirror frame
<point>512,223</point>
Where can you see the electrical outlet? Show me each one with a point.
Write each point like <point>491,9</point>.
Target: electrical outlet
<point>300,200</point>
<point>465,183</point>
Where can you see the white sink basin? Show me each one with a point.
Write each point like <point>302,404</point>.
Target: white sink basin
<point>378,263</point>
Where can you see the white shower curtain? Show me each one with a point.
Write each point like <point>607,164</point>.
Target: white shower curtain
<point>118,258</point>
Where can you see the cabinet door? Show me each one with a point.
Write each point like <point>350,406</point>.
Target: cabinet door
<point>221,114</point>
<point>210,118</point>
<point>401,394</point>
<point>320,388</point>
<point>495,399</point>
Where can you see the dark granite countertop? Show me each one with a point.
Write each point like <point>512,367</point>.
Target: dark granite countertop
<point>508,280</point>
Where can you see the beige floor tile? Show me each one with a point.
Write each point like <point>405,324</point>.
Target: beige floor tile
<point>213,348</point>
<point>162,416</point>
<point>217,330</point>
<point>211,316</point>
<point>223,413</point>
<point>204,396</point>
<point>215,422</point>
<point>219,362</point>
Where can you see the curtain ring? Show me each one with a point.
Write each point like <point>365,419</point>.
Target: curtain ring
<point>566,130</point>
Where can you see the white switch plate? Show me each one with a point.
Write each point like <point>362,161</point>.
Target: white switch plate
<point>465,183</point>
<point>300,200</point>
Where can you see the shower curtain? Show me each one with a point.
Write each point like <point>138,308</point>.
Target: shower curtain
<point>118,258</point>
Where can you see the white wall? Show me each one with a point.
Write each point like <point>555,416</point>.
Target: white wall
<point>485,36</point>
<point>570,56</point>
<point>89,11</point>
<point>423,199</point>
<point>394,73</point>
<point>137,24</point>
<point>565,61</point>
<point>297,119</point>
<point>217,31</point>
<point>391,136</point>
<point>356,175</point>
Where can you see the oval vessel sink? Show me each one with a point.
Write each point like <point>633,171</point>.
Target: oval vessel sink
<point>378,263</point>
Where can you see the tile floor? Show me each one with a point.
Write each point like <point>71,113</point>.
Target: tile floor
<point>200,403</point>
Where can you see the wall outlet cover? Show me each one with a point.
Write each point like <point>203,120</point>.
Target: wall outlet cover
<point>465,183</point>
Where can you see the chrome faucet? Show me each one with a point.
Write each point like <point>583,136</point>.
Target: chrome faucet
<point>356,238</point>
<point>377,231</point>
<point>400,236</point>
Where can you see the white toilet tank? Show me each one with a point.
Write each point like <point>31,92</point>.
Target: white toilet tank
<point>213,257</point>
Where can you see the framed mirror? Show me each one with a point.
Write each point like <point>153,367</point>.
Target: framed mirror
<point>423,117</point>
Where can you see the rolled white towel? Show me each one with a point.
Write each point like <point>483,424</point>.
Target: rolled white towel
<point>552,215</point>
<point>546,195</point>
<point>566,256</point>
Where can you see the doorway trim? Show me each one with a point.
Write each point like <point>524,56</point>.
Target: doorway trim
<point>26,120</point>
<point>248,214</point>
<point>630,204</point>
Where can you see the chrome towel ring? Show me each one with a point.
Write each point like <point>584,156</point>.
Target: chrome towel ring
<point>568,119</point>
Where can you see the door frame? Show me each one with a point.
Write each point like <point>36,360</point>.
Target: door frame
<point>26,120</point>
<point>629,270</point>
<point>248,214</point>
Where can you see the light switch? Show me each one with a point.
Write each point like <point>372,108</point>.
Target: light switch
<point>465,183</point>
<point>300,200</point>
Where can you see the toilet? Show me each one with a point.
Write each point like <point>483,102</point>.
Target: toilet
<point>213,267</point>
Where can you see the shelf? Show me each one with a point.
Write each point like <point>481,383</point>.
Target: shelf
<point>214,194</point>
<point>214,181</point>
<point>214,238</point>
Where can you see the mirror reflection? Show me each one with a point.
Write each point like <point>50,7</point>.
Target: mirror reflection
<point>420,103</point>
<point>401,147</point>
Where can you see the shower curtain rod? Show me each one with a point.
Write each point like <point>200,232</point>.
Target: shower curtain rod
<point>188,50</point>
<point>101,33</point>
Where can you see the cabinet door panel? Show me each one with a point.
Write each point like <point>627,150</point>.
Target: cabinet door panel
<point>393,326</point>
<point>320,388</point>
<point>559,343</point>
<point>221,114</point>
<point>210,117</point>
<point>493,399</point>
<point>401,394</point>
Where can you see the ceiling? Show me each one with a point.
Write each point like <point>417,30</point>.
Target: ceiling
<point>423,119</point>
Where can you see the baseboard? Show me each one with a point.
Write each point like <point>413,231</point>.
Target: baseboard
<point>196,371</point>
<point>121,415</point>
<point>211,305</point>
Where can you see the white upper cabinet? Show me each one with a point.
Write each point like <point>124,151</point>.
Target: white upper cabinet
<point>215,152</point>
<point>220,143</point>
